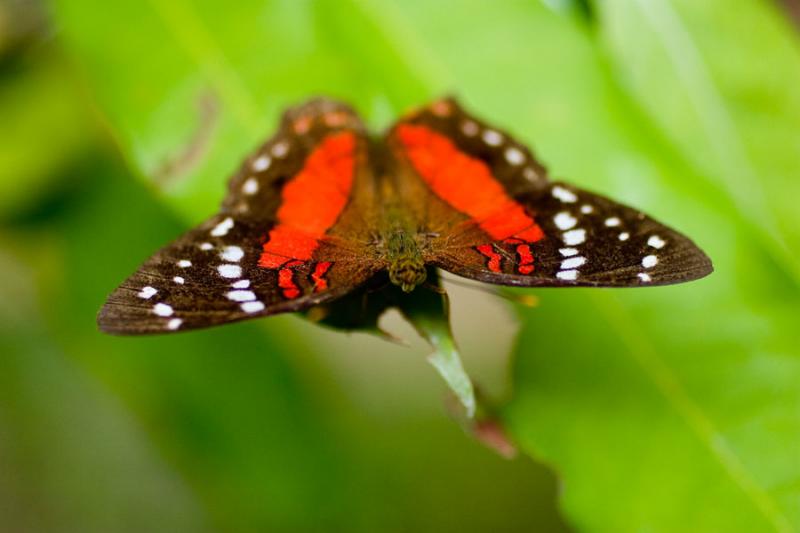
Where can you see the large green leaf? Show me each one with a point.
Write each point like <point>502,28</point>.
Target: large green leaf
<point>666,409</point>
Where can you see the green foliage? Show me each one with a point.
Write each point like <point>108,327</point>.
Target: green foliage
<point>667,409</point>
<point>32,151</point>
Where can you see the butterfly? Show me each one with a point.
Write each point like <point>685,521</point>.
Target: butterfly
<point>323,209</point>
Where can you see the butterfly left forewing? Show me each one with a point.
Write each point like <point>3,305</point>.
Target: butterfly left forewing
<point>268,250</point>
<point>509,224</point>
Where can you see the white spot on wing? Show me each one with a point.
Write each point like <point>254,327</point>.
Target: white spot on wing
<point>262,163</point>
<point>656,242</point>
<point>184,263</point>
<point>624,236</point>
<point>645,277</point>
<point>241,296</point>
<point>174,324</point>
<point>222,228</point>
<point>162,309</point>
<point>566,252</point>
<point>612,222</point>
<point>206,246</point>
<point>569,275</point>
<point>232,253</point>
<point>241,284</point>
<point>573,262</point>
<point>649,261</point>
<point>575,236</point>
<point>280,149</point>
<point>564,195</point>
<point>586,209</point>
<point>565,221</point>
<point>147,292</point>
<point>252,307</point>
<point>230,271</point>
<point>250,187</point>
<point>179,280</point>
<point>492,138</point>
<point>515,156</point>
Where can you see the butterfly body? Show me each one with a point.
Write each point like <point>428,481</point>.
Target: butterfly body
<point>323,209</point>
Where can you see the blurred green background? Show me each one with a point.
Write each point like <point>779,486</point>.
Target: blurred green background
<point>667,409</point>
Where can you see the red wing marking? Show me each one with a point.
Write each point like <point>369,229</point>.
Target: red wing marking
<point>525,259</point>
<point>286,282</point>
<point>492,255</point>
<point>318,276</point>
<point>467,184</point>
<point>312,201</point>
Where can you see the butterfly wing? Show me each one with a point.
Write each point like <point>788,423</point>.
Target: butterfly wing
<point>510,225</point>
<point>274,247</point>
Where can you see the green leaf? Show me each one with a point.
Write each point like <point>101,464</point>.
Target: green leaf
<point>429,314</point>
<point>446,360</point>
<point>680,416</point>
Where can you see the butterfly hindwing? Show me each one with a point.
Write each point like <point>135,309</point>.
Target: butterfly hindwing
<point>513,226</point>
<point>267,250</point>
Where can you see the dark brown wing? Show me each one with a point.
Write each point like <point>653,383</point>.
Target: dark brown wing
<point>270,249</point>
<point>512,226</point>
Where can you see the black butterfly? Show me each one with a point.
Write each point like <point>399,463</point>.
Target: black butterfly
<point>323,209</point>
